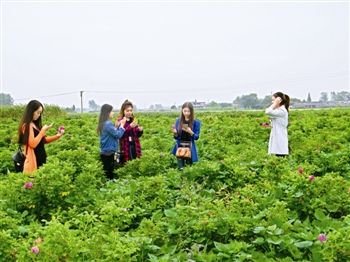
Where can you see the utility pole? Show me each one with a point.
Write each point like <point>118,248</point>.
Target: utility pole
<point>81,102</point>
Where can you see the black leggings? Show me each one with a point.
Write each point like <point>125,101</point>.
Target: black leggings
<point>108,165</point>
<point>279,155</point>
<point>132,150</point>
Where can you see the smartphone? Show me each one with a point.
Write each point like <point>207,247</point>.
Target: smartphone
<point>185,125</point>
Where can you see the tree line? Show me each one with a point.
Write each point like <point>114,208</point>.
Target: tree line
<point>250,101</point>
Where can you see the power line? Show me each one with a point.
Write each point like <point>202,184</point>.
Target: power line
<point>208,89</point>
<point>48,96</point>
<point>171,1</point>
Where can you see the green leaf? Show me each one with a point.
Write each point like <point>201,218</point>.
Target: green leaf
<point>25,213</point>
<point>319,214</point>
<point>170,213</point>
<point>259,241</point>
<point>298,194</point>
<point>173,230</point>
<point>257,230</point>
<point>278,232</point>
<point>152,258</point>
<point>221,247</point>
<point>347,220</point>
<point>333,207</point>
<point>22,230</point>
<point>223,230</point>
<point>272,228</point>
<point>275,242</point>
<point>303,244</point>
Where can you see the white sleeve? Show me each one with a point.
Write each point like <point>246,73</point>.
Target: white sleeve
<point>274,113</point>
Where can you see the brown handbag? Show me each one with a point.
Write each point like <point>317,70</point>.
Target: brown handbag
<point>183,152</point>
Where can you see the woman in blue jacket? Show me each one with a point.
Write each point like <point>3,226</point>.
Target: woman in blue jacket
<point>186,131</point>
<point>109,136</point>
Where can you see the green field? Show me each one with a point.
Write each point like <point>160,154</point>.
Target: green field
<point>236,204</point>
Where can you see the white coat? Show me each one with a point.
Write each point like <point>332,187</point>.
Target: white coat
<point>278,143</point>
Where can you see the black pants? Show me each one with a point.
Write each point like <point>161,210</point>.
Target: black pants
<point>182,162</point>
<point>108,165</point>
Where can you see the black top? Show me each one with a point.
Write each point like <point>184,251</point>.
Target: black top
<point>39,151</point>
<point>185,136</point>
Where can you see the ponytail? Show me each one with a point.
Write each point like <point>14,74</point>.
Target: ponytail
<point>286,102</point>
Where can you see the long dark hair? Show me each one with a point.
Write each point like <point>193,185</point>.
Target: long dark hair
<point>189,105</point>
<point>104,116</point>
<point>27,118</point>
<point>125,105</point>
<point>285,99</point>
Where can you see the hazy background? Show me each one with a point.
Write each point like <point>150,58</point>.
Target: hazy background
<point>167,53</point>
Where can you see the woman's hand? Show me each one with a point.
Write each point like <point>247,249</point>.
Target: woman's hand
<point>121,122</point>
<point>140,128</point>
<point>46,127</point>
<point>188,130</point>
<point>276,103</point>
<point>133,124</point>
<point>60,131</point>
<point>173,129</point>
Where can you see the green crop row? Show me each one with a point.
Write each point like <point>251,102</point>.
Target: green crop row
<point>236,204</point>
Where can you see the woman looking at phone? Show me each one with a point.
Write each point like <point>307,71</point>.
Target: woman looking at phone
<point>32,135</point>
<point>278,113</point>
<point>186,131</point>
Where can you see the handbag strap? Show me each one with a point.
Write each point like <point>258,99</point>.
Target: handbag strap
<point>186,143</point>
<point>21,150</point>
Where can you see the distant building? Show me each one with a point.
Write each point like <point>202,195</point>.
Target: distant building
<point>197,104</point>
<point>158,107</point>
<point>319,104</point>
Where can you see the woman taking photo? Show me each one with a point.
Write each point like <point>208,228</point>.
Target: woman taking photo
<point>278,113</point>
<point>130,143</point>
<point>186,131</point>
<point>32,135</point>
<point>109,136</point>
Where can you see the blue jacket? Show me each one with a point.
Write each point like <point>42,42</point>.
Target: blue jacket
<point>109,137</point>
<point>196,130</point>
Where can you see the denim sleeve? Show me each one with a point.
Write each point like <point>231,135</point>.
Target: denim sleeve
<point>113,131</point>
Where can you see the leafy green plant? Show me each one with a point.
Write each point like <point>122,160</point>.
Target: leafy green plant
<point>236,204</point>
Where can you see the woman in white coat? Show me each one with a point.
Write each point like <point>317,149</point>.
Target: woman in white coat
<point>278,113</point>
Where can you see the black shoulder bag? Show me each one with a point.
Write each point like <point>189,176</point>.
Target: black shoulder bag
<point>18,159</point>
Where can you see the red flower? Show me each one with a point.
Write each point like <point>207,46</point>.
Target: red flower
<point>300,170</point>
<point>35,250</point>
<point>28,185</point>
<point>61,129</point>
<point>322,238</point>
<point>311,178</point>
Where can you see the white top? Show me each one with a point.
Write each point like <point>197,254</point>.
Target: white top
<point>278,143</point>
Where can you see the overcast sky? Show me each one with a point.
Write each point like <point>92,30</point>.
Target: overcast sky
<point>168,53</point>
